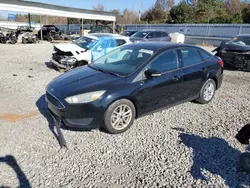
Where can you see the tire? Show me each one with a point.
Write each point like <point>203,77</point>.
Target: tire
<point>24,41</point>
<point>50,39</point>
<point>109,117</point>
<point>206,99</point>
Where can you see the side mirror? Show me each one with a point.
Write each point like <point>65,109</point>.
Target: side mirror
<point>152,73</point>
<point>148,37</point>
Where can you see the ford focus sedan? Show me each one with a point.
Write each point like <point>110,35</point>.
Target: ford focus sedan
<point>132,81</point>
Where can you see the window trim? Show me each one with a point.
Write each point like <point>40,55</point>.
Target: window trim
<point>141,75</point>
<point>196,49</point>
<point>165,72</point>
<point>203,60</point>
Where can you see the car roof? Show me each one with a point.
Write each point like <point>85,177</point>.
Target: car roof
<point>244,35</point>
<point>107,35</point>
<point>157,45</point>
<point>151,30</point>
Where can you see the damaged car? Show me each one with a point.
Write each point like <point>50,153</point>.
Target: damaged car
<point>27,34</point>
<point>85,50</point>
<point>235,53</point>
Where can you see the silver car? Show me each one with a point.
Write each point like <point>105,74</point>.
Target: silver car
<point>149,35</point>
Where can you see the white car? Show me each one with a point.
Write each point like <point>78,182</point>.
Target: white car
<point>85,49</point>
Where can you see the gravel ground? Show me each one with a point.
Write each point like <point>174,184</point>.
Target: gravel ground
<point>189,145</point>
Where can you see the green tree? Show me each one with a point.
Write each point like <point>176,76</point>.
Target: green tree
<point>155,15</point>
<point>246,14</point>
<point>182,13</point>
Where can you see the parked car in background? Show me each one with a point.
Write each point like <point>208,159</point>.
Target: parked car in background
<point>149,35</point>
<point>128,33</point>
<point>27,34</point>
<point>85,49</point>
<point>51,32</point>
<point>235,53</point>
<point>131,81</point>
<point>3,38</point>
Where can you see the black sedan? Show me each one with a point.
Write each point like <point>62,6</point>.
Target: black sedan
<point>131,81</point>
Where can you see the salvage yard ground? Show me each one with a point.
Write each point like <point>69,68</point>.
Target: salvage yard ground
<point>190,145</point>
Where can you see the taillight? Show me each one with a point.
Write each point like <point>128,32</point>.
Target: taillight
<point>221,63</point>
<point>170,39</point>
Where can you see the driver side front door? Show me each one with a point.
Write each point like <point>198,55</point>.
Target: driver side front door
<point>165,90</point>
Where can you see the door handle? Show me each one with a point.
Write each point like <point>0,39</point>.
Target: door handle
<point>176,78</point>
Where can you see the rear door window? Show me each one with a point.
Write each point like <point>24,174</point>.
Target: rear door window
<point>158,34</point>
<point>190,56</point>
<point>205,55</point>
<point>164,34</point>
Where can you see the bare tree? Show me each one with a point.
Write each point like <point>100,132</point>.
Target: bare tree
<point>99,7</point>
<point>165,5</point>
<point>130,16</point>
<point>233,6</point>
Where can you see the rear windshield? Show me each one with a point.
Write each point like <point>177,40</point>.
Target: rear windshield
<point>242,40</point>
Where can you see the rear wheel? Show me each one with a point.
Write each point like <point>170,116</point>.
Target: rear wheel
<point>207,92</point>
<point>119,116</point>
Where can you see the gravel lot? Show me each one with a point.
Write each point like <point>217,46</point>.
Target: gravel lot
<point>190,145</point>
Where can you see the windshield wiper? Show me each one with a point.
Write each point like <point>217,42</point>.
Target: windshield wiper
<point>104,71</point>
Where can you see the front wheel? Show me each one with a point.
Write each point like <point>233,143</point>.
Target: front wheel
<point>119,116</point>
<point>207,92</point>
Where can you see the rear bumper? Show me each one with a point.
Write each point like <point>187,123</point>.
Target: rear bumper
<point>219,80</point>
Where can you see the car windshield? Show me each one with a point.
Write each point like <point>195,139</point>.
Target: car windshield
<point>122,61</point>
<point>86,42</point>
<point>128,33</point>
<point>242,40</point>
<point>140,34</point>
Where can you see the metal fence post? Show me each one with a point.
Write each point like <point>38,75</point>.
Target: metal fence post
<point>240,29</point>
<point>208,31</point>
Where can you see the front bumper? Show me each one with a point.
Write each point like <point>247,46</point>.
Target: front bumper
<point>77,117</point>
<point>236,60</point>
<point>55,63</point>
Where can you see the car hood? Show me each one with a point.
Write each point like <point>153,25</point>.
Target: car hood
<point>230,46</point>
<point>82,80</point>
<point>68,47</point>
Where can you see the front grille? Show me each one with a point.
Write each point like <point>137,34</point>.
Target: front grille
<point>57,57</point>
<point>55,102</point>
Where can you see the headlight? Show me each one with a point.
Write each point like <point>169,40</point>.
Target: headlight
<point>85,97</point>
<point>71,60</point>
